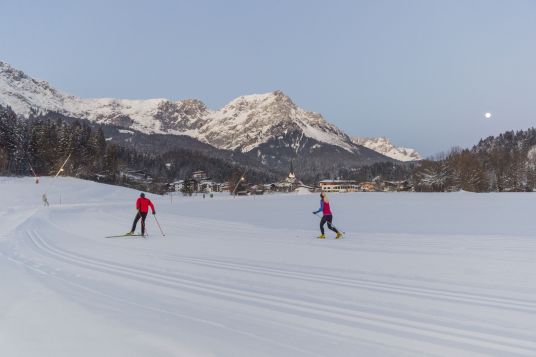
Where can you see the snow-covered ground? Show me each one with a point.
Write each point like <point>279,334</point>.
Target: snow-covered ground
<point>417,274</point>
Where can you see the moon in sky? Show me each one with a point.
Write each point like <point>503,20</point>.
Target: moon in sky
<point>487,115</point>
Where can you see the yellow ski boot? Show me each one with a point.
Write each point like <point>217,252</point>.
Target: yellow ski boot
<point>322,236</point>
<point>339,235</point>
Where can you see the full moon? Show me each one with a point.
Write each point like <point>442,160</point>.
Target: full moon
<point>487,115</point>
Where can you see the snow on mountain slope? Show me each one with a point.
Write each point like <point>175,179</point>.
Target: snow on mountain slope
<point>26,95</point>
<point>383,146</point>
<point>251,120</point>
<point>244,123</point>
<point>226,282</point>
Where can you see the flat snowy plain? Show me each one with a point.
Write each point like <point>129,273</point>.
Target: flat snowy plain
<point>417,274</point>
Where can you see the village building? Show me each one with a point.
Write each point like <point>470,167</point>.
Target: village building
<point>176,186</point>
<point>256,190</point>
<point>289,183</point>
<point>225,187</point>
<point>339,186</point>
<point>369,187</point>
<point>396,186</point>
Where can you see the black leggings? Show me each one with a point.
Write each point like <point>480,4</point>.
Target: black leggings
<point>328,219</point>
<point>141,215</point>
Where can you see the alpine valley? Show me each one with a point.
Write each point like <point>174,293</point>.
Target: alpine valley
<point>269,129</point>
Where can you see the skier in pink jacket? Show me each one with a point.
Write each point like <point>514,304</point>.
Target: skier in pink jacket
<point>327,216</point>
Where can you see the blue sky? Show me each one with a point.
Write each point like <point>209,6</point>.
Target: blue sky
<point>421,72</point>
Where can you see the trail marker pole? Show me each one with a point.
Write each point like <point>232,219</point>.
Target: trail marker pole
<point>59,171</point>
<point>242,178</point>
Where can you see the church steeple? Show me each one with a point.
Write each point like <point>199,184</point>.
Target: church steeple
<point>291,175</point>
<point>291,168</point>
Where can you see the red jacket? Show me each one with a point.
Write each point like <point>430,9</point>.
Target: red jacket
<point>143,204</point>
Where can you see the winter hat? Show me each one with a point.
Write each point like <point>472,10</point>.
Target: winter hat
<point>142,194</point>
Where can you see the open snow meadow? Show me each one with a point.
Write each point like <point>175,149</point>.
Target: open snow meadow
<point>443,274</point>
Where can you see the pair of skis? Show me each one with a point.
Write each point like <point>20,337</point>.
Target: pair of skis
<point>343,232</point>
<point>341,237</point>
<point>139,235</point>
<point>127,235</point>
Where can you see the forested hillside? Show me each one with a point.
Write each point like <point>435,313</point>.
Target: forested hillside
<point>503,163</point>
<point>40,146</point>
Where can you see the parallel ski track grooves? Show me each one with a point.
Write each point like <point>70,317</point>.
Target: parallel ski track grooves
<point>36,241</point>
<point>446,295</point>
<point>436,334</point>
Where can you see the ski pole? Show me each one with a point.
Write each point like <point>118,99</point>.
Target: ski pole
<point>158,224</point>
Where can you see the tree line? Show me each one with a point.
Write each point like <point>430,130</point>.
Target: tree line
<point>40,146</point>
<point>503,163</point>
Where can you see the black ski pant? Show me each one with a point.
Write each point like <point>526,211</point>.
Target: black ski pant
<point>328,218</point>
<point>141,215</point>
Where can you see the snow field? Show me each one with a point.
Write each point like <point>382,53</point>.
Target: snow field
<point>417,274</point>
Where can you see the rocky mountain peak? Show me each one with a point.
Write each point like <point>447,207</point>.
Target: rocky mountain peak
<point>275,101</point>
<point>26,95</point>
<point>245,123</point>
<point>384,146</point>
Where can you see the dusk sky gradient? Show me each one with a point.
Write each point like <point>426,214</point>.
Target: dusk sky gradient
<point>422,73</point>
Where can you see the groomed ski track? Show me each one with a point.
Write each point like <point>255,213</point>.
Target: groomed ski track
<point>226,282</point>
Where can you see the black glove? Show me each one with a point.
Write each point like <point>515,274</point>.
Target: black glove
<point>154,212</point>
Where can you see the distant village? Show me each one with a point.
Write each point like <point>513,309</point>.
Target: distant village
<point>201,183</point>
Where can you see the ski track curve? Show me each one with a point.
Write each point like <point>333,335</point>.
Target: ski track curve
<point>42,248</point>
<point>350,323</point>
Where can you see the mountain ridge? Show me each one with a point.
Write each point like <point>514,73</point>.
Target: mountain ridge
<point>245,123</point>
<point>385,147</point>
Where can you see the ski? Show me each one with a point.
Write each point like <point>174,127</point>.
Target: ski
<point>341,237</point>
<point>126,235</point>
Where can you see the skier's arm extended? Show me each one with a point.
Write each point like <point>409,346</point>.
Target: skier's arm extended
<point>321,207</point>
<point>152,206</point>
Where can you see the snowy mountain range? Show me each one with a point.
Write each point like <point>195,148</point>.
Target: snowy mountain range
<point>385,147</point>
<point>270,121</point>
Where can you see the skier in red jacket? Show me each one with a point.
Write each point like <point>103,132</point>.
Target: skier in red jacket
<point>142,205</point>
